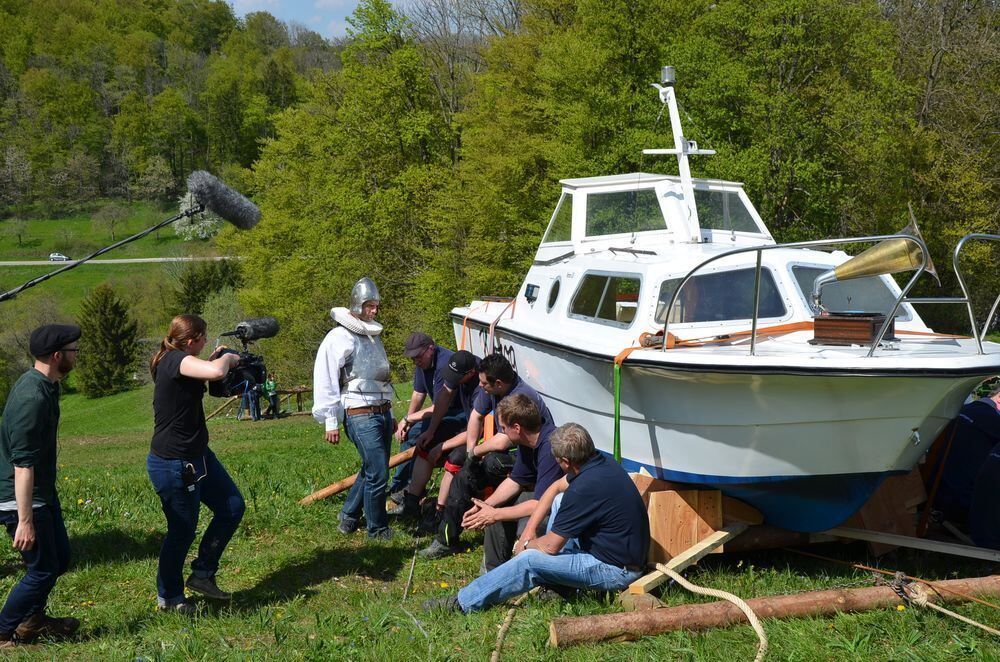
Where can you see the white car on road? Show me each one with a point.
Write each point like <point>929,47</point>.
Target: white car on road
<point>58,257</point>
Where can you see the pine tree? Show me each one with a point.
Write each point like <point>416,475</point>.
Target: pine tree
<point>108,345</point>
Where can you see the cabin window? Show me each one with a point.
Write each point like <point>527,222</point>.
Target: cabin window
<point>622,212</point>
<point>561,226</point>
<point>606,298</point>
<point>553,295</point>
<point>723,210</point>
<point>869,294</point>
<point>722,296</point>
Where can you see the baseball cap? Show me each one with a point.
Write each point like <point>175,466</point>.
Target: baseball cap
<point>459,365</point>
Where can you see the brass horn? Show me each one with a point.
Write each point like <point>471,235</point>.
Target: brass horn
<point>886,257</point>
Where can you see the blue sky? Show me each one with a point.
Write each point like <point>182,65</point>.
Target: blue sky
<point>327,17</point>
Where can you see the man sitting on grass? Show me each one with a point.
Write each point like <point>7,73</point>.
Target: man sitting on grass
<point>598,539</point>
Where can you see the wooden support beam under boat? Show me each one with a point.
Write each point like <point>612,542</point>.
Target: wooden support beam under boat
<point>633,625</point>
<point>688,557</point>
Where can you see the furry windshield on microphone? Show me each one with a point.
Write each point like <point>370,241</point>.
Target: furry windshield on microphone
<point>209,191</point>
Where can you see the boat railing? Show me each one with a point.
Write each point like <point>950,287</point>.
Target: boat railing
<point>902,298</point>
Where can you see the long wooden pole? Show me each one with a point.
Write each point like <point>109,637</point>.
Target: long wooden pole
<point>632,625</point>
<point>342,485</point>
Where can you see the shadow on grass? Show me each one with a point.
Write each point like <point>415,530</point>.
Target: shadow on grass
<point>114,546</point>
<point>375,562</point>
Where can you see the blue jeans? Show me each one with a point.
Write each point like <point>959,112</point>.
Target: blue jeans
<point>531,568</point>
<point>181,506</point>
<point>372,436</point>
<point>46,560</point>
<point>448,428</point>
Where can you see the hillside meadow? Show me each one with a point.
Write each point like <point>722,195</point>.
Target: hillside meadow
<point>303,591</point>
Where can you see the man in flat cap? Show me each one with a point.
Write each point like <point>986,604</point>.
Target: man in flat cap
<point>29,505</point>
<point>430,361</point>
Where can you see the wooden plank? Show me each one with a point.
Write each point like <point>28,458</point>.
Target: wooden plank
<point>917,543</point>
<point>688,557</point>
<point>734,510</point>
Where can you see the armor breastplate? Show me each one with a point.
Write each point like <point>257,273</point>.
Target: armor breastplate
<point>367,370</point>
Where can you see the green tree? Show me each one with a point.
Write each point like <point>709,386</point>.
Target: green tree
<point>199,280</point>
<point>109,344</point>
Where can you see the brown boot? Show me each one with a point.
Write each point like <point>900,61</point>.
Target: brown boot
<point>42,625</point>
<point>8,641</point>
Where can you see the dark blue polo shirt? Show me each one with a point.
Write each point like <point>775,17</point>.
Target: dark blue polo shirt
<point>602,509</point>
<point>536,466</point>
<point>431,381</point>
<point>977,433</point>
<point>484,402</point>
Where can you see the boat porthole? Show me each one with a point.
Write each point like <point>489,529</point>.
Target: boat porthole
<point>553,295</point>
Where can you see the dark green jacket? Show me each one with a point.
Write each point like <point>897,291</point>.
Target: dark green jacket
<point>28,435</point>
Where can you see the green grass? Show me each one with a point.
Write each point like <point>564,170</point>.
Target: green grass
<point>304,591</point>
<point>76,235</point>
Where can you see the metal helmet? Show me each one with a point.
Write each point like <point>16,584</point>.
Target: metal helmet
<point>363,290</point>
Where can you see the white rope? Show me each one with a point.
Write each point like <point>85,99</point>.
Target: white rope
<point>723,595</point>
<point>919,596</point>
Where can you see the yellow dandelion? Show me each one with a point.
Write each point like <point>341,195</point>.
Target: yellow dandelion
<point>79,502</point>
<point>444,584</point>
<point>900,607</point>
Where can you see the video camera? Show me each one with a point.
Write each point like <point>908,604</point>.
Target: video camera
<point>250,371</point>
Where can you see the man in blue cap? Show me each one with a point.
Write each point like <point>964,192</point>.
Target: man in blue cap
<point>29,505</point>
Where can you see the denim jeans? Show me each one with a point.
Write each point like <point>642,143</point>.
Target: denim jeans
<point>46,560</point>
<point>181,506</point>
<point>448,428</point>
<point>531,568</point>
<point>371,435</point>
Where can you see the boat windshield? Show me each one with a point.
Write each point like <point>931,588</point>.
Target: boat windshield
<point>716,297</point>
<point>723,210</point>
<point>620,212</point>
<point>561,225</point>
<point>869,294</point>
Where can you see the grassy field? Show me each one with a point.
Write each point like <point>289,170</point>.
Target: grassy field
<point>305,591</point>
<point>77,235</point>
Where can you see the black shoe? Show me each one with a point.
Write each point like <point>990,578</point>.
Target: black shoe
<point>385,535</point>
<point>437,550</point>
<point>409,510</point>
<point>207,587</point>
<point>397,496</point>
<point>443,604</point>
<point>347,527</point>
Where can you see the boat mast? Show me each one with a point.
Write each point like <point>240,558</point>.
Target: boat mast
<point>682,149</point>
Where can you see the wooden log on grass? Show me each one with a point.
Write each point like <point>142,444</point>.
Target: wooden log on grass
<point>633,625</point>
<point>342,485</point>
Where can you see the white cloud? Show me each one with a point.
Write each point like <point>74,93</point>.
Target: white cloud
<point>336,28</point>
<point>334,4</point>
<point>244,7</point>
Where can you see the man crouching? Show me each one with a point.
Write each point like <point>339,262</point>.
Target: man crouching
<point>29,505</point>
<point>598,536</point>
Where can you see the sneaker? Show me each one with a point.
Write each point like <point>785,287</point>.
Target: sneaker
<point>449,603</point>
<point>185,607</point>
<point>207,587</point>
<point>347,527</point>
<point>41,625</point>
<point>437,550</point>
<point>409,510</point>
<point>398,496</point>
<point>385,535</point>
<point>8,641</point>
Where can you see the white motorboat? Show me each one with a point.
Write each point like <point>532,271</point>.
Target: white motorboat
<point>746,394</point>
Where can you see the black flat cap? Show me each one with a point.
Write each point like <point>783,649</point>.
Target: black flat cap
<point>51,337</point>
<point>416,343</point>
<point>460,364</point>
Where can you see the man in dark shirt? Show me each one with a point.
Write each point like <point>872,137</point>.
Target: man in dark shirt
<point>504,514</point>
<point>430,361</point>
<point>976,434</point>
<point>29,505</point>
<point>598,536</point>
<point>487,464</point>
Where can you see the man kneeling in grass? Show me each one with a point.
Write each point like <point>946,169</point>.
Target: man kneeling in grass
<point>598,536</point>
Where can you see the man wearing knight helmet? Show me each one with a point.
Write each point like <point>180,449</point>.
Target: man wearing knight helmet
<point>351,386</point>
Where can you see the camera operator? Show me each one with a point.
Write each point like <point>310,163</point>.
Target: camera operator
<point>185,473</point>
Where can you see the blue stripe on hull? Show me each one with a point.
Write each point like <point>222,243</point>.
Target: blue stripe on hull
<point>796,503</point>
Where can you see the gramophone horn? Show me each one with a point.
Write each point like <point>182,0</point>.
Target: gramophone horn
<point>886,257</point>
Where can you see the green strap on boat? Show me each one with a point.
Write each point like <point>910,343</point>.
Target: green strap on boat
<point>618,413</point>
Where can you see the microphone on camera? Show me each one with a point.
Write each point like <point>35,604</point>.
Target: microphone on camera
<point>211,193</point>
<point>255,329</point>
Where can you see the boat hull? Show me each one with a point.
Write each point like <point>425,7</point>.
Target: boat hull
<point>806,449</point>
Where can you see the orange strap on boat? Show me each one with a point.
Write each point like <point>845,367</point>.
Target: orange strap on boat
<point>778,329</point>
<point>465,324</point>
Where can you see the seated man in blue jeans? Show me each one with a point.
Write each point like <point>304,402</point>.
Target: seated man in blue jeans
<point>599,534</point>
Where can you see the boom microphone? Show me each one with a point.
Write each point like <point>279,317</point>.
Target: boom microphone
<point>256,328</point>
<point>210,192</point>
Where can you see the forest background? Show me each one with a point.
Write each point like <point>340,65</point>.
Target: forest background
<point>424,149</point>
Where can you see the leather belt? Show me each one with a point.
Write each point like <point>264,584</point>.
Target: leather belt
<point>383,408</point>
